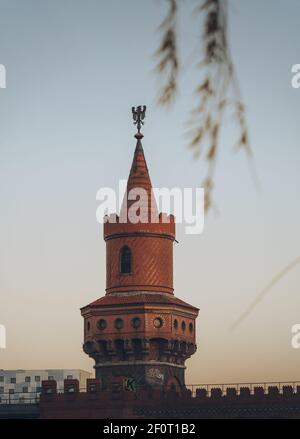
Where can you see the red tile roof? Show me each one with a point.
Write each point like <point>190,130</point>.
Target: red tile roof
<point>141,298</point>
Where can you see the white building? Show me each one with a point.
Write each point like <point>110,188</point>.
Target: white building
<point>24,386</point>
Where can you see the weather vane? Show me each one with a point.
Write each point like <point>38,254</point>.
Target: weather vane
<point>138,114</point>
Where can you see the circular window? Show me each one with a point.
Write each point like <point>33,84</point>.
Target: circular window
<point>158,322</point>
<point>191,327</point>
<point>101,324</point>
<point>88,326</point>
<point>175,324</point>
<point>119,323</point>
<point>183,326</point>
<point>136,322</point>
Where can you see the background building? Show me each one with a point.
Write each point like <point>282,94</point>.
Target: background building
<point>24,386</point>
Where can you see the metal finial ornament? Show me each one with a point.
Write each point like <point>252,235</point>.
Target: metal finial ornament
<point>138,114</point>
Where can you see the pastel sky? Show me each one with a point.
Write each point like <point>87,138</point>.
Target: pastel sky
<point>74,69</point>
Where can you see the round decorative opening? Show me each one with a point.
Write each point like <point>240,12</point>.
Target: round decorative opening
<point>191,327</point>
<point>175,324</point>
<point>136,322</point>
<point>183,326</point>
<point>119,323</point>
<point>101,324</point>
<point>158,322</point>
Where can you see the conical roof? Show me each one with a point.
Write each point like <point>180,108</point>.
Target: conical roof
<point>139,199</point>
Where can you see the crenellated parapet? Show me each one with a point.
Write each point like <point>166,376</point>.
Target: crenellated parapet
<point>162,225</point>
<point>122,398</point>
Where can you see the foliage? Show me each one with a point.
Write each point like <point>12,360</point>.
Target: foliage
<point>218,88</point>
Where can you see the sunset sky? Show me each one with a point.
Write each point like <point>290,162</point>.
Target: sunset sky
<point>74,69</point>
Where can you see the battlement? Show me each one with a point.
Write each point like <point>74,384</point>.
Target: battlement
<point>201,392</point>
<point>163,224</point>
<point>124,400</point>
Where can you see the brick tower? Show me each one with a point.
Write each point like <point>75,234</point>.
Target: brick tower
<point>139,333</point>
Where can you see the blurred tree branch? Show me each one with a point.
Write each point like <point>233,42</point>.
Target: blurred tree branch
<point>218,83</point>
<point>167,55</point>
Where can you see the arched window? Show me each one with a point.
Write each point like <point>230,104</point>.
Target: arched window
<point>125,260</point>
